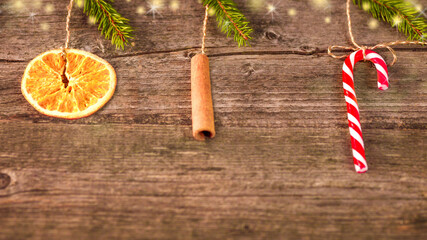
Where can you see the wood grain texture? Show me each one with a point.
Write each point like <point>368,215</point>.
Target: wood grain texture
<point>280,166</point>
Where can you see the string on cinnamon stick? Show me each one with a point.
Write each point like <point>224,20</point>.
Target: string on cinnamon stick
<point>201,96</point>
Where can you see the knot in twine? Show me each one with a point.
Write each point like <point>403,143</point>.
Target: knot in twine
<point>363,48</point>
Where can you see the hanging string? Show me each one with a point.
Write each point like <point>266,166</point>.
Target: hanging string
<point>205,22</point>
<point>350,31</point>
<point>67,27</point>
<point>358,47</point>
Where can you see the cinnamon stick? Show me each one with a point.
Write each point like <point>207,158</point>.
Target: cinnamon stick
<point>201,98</point>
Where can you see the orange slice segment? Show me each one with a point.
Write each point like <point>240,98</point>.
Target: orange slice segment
<point>69,89</point>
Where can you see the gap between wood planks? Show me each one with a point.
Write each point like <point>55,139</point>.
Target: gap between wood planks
<point>57,192</point>
<point>308,52</point>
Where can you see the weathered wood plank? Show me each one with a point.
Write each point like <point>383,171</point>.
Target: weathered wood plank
<point>155,181</point>
<point>280,166</point>
<point>174,31</point>
<point>250,91</point>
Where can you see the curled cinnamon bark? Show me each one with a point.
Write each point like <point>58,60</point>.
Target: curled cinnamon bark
<point>201,98</point>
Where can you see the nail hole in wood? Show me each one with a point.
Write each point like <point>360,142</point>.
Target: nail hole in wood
<point>246,227</point>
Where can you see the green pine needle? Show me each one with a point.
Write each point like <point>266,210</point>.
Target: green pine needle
<point>111,24</point>
<point>230,20</point>
<point>398,13</point>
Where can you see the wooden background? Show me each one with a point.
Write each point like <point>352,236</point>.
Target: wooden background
<point>280,166</point>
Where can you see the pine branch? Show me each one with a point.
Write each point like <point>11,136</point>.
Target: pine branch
<point>111,24</point>
<point>230,20</point>
<point>398,13</point>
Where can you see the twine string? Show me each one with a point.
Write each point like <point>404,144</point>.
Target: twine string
<point>205,23</point>
<point>363,48</point>
<point>350,30</point>
<point>67,27</point>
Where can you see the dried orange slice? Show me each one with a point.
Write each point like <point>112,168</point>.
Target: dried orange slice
<point>72,88</point>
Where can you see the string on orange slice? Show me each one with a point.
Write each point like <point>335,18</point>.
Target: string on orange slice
<point>68,83</point>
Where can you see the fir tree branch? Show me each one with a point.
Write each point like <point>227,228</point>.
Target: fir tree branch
<point>111,24</point>
<point>230,20</point>
<point>398,13</point>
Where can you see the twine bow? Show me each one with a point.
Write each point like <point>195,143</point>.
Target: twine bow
<point>363,48</point>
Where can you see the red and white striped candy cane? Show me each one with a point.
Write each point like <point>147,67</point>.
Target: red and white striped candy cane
<point>352,107</point>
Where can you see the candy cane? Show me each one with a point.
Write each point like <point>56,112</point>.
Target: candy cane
<point>352,107</point>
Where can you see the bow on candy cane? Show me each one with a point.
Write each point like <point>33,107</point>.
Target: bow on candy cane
<point>351,100</point>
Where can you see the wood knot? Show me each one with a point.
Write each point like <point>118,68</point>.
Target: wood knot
<point>309,49</point>
<point>4,180</point>
<point>190,54</point>
<point>248,69</point>
<point>270,35</point>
